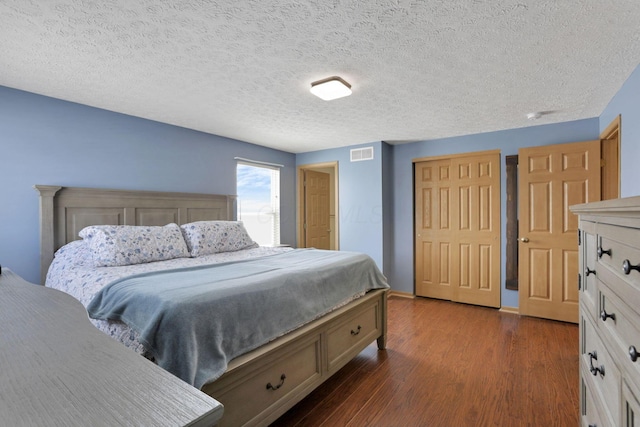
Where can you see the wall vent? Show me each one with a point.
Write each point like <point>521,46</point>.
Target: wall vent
<point>360,154</point>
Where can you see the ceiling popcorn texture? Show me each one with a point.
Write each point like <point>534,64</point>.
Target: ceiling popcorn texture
<point>242,69</point>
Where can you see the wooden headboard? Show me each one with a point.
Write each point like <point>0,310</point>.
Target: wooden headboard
<point>64,211</point>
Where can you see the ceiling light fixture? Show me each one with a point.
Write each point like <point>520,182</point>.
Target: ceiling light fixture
<point>331,88</point>
<point>534,116</point>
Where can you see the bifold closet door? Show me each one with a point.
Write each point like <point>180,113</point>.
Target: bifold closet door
<point>457,225</point>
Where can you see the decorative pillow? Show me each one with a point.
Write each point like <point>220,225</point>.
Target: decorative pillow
<point>113,245</point>
<point>212,237</point>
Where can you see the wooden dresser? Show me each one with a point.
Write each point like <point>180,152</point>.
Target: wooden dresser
<point>609,283</point>
<point>56,368</point>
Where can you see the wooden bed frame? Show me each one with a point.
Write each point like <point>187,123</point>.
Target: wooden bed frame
<point>263,384</point>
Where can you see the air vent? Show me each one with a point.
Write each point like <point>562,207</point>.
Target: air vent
<point>360,154</point>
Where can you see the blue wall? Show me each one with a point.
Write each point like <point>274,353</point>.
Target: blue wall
<point>360,213</point>
<point>627,103</point>
<point>49,141</point>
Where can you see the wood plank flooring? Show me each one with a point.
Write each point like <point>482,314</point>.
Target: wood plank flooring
<point>450,364</point>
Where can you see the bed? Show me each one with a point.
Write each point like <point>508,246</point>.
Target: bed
<point>259,380</point>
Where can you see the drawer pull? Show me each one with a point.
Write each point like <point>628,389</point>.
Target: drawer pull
<point>603,252</point>
<point>588,271</point>
<point>593,369</point>
<point>282,378</point>
<point>357,331</point>
<point>633,353</point>
<point>627,267</point>
<point>604,316</point>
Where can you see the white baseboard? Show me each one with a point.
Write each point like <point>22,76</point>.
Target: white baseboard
<point>511,310</point>
<point>399,294</point>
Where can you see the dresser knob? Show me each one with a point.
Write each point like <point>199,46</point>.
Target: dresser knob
<point>588,271</point>
<point>604,316</point>
<point>627,267</point>
<point>603,252</point>
<point>595,370</point>
<point>633,353</point>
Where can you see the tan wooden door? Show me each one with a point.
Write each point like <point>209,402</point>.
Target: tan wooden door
<point>433,228</point>
<point>317,224</point>
<point>458,228</point>
<point>550,179</point>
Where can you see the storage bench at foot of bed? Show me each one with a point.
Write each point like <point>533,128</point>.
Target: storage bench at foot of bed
<point>262,385</point>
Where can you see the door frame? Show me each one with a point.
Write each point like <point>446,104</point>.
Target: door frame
<point>300,205</point>
<point>610,167</point>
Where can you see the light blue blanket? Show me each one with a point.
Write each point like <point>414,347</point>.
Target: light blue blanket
<point>195,320</point>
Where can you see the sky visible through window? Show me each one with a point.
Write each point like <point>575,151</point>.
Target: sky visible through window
<point>254,189</point>
<point>254,202</point>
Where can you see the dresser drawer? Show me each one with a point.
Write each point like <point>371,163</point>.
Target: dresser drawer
<point>268,388</point>
<point>619,244</point>
<point>630,407</point>
<point>350,334</point>
<point>621,323</point>
<point>590,410</point>
<point>596,362</point>
<point>588,272</point>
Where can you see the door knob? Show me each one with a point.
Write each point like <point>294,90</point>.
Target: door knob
<point>524,239</point>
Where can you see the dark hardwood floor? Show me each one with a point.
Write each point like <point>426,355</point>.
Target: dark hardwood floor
<point>449,364</point>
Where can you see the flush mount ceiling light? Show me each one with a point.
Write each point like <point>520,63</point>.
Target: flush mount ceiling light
<point>331,88</point>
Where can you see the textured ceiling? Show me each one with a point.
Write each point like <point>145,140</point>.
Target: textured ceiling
<point>242,69</point>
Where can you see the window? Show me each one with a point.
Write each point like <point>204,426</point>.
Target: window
<point>258,189</point>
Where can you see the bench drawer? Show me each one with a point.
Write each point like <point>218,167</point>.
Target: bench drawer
<point>348,335</point>
<point>262,390</point>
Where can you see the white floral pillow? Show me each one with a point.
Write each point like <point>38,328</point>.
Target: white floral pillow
<point>114,245</point>
<point>212,237</point>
